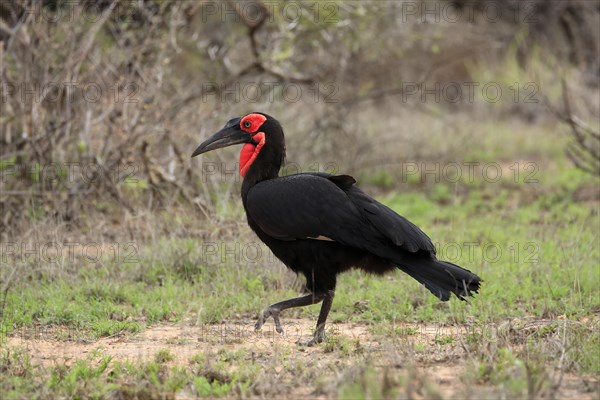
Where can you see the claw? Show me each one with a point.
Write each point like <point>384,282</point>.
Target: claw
<point>310,342</point>
<point>259,323</point>
<point>266,313</point>
<point>306,343</point>
<point>317,338</point>
<point>278,327</point>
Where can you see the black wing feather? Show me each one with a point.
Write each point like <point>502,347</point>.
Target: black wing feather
<point>395,227</point>
<point>310,205</point>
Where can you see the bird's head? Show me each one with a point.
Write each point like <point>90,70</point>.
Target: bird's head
<point>261,135</point>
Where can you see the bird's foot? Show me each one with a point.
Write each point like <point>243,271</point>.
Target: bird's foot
<point>317,338</point>
<point>266,313</point>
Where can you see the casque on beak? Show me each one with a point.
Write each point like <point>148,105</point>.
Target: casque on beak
<point>231,134</point>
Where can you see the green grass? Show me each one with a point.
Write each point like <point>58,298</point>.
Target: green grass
<point>533,244</point>
<point>127,297</point>
<point>99,376</point>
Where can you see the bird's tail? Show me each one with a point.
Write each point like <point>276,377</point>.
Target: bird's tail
<point>443,278</point>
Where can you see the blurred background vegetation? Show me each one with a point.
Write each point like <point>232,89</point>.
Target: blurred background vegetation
<point>103,102</point>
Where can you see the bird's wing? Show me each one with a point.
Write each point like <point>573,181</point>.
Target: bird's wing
<point>392,225</point>
<point>322,206</point>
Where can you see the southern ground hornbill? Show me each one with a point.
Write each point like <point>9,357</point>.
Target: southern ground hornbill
<point>320,225</point>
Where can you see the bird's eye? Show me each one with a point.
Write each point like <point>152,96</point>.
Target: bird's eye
<point>247,124</point>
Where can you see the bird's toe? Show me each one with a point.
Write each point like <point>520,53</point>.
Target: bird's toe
<point>278,327</point>
<point>258,325</point>
<point>318,337</point>
<point>264,315</point>
<point>307,343</point>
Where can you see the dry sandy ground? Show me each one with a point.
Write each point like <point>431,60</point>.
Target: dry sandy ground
<point>438,364</point>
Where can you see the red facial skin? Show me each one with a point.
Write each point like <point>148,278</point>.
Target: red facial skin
<point>251,123</point>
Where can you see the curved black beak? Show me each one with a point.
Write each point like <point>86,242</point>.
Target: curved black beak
<point>231,134</point>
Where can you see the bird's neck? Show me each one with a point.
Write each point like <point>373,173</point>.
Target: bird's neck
<point>266,166</point>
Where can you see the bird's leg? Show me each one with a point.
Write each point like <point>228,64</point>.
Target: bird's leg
<point>274,309</point>
<point>319,335</point>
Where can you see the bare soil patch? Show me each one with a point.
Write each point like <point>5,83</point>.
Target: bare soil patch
<point>183,341</point>
<point>440,362</point>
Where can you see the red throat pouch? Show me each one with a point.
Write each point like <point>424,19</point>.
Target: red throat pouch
<point>250,151</point>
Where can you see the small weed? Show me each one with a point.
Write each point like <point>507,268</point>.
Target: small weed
<point>207,388</point>
<point>163,356</point>
<point>198,359</point>
<point>231,355</point>
<point>443,339</point>
<point>337,343</point>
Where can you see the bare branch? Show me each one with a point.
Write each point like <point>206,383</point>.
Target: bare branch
<point>584,151</point>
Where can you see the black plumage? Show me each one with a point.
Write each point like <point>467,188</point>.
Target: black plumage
<point>320,225</point>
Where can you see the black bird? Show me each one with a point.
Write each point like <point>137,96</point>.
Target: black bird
<point>320,225</point>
